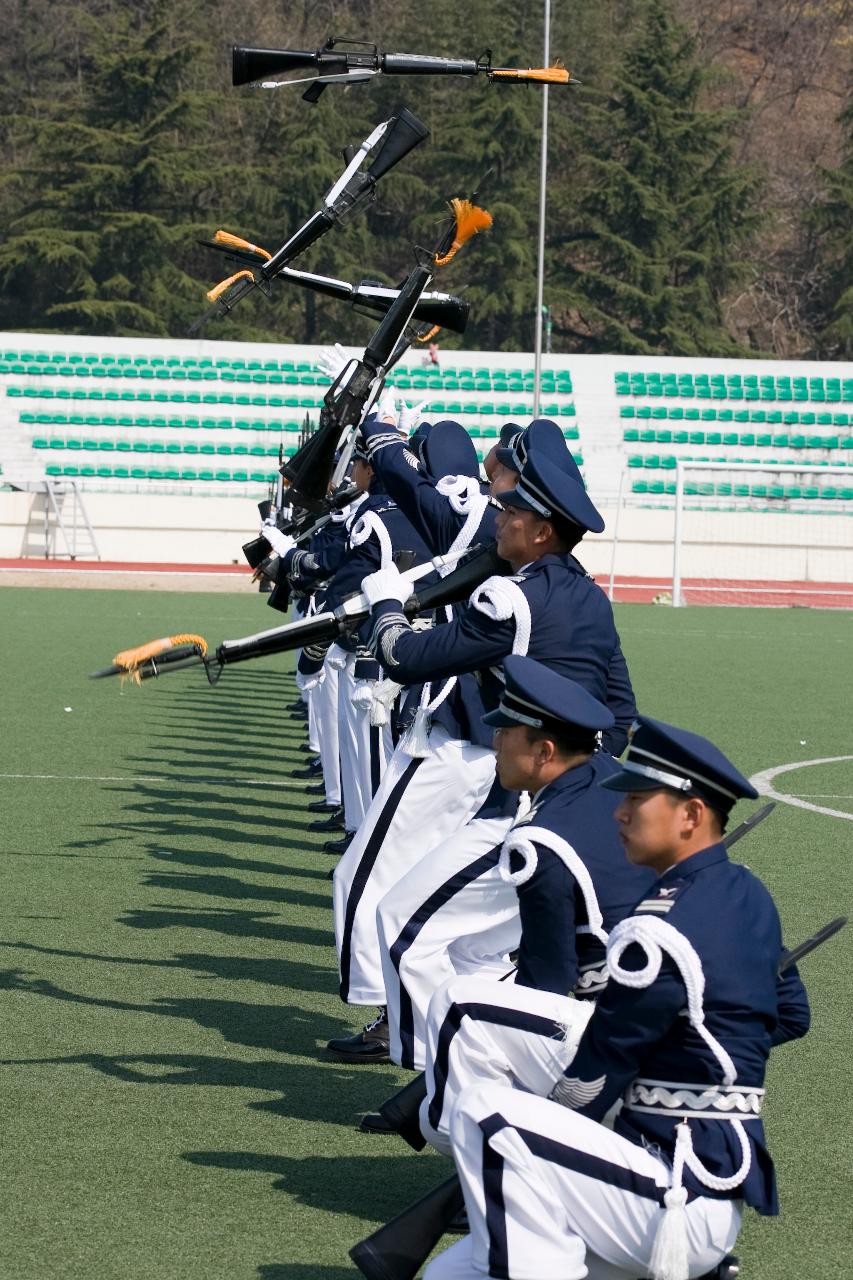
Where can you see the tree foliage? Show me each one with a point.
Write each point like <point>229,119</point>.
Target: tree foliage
<point>124,144</point>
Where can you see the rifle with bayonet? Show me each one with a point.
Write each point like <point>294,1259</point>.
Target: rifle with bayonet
<point>343,61</point>
<point>397,136</point>
<point>178,652</point>
<point>442,309</point>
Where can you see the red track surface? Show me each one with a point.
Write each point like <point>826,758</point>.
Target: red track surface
<point>731,591</point>
<point>122,566</point>
<point>627,590</point>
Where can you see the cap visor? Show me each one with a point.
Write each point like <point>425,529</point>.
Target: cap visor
<point>506,458</point>
<point>511,498</point>
<point>627,780</point>
<point>498,720</point>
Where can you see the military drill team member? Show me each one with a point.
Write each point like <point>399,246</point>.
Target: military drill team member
<point>424,796</point>
<point>374,533</point>
<point>564,865</point>
<point>442,917</point>
<point>681,1034</point>
<point>429,795</point>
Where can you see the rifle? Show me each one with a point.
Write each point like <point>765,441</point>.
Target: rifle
<point>442,309</point>
<point>398,136</point>
<point>359,61</point>
<point>258,552</point>
<point>360,381</point>
<point>188,650</point>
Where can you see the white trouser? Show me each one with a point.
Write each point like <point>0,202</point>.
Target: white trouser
<point>325,699</point>
<point>364,751</point>
<point>479,1030</point>
<point>421,801</point>
<point>314,728</point>
<point>451,914</point>
<point>542,1191</point>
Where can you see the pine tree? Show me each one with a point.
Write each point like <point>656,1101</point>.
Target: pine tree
<point>833,219</point>
<point>650,237</point>
<point>114,181</point>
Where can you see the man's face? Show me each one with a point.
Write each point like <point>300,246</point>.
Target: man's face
<point>501,478</point>
<point>517,532</point>
<point>518,759</point>
<point>651,827</point>
<point>362,474</point>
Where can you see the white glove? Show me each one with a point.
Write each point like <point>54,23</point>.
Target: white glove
<point>336,657</point>
<point>387,407</point>
<point>411,417</point>
<point>386,584</point>
<point>331,360</point>
<point>362,695</point>
<point>313,682</point>
<point>280,542</point>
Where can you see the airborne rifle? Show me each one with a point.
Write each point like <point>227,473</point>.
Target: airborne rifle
<point>342,61</point>
<point>398,136</point>
<point>360,381</point>
<point>442,309</point>
<point>188,650</point>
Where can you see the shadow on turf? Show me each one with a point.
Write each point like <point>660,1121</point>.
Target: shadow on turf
<point>373,1187</point>
<point>303,1271</point>
<point>327,1093</point>
<point>280,1028</point>
<point>270,971</point>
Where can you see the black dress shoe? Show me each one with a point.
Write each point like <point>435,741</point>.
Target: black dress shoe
<point>375,1122</point>
<point>334,822</point>
<point>338,847</point>
<point>323,806</point>
<point>309,771</point>
<point>370,1045</point>
<point>316,789</point>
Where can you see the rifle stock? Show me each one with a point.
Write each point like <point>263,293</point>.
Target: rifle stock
<point>398,1250</point>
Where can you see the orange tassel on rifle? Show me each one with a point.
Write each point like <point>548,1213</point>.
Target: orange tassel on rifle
<point>132,659</point>
<point>213,294</point>
<point>470,219</point>
<point>236,242</point>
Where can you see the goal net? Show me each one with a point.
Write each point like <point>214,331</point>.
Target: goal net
<point>763,534</point>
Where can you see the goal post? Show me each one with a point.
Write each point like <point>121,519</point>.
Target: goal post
<point>762,533</point>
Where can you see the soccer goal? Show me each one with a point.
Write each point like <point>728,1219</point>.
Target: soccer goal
<point>763,534</point>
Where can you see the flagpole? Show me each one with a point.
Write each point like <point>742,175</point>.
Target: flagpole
<point>543,180</point>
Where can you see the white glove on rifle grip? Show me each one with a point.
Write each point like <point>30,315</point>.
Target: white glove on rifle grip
<point>280,542</point>
<point>386,584</point>
<point>410,418</point>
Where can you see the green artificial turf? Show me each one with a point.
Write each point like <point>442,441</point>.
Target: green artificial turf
<point>167,978</point>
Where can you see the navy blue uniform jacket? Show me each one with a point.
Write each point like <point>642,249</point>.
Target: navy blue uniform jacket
<point>731,920</point>
<point>553,955</point>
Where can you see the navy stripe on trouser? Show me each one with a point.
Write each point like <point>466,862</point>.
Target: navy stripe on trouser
<point>366,865</point>
<point>375,759</point>
<point>412,928</point>
<point>498,1016</point>
<point>616,1175</point>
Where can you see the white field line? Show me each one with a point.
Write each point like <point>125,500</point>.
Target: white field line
<point>763,783</point>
